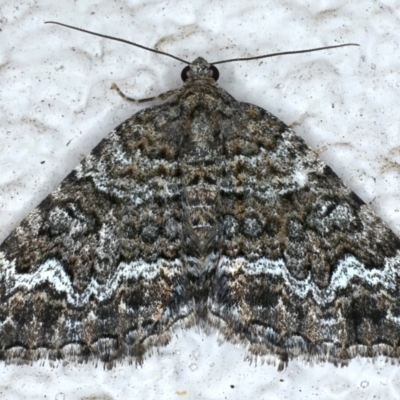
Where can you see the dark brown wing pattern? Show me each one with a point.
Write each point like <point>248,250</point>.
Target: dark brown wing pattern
<point>200,211</point>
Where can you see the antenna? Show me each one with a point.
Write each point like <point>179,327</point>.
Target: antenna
<point>187,62</point>
<point>118,40</point>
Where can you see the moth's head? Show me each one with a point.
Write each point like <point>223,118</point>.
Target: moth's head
<point>200,69</point>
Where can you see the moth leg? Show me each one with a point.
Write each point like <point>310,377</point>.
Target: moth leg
<point>162,96</point>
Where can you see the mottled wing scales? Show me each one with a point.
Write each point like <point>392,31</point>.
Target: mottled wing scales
<point>306,267</point>
<point>95,271</point>
<point>201,211</point>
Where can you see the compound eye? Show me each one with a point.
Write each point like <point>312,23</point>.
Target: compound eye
<point>185,74</point>
<point>213,73</point>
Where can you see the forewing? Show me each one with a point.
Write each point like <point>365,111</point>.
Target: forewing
<point>95,270</point>
<point>306,267</point>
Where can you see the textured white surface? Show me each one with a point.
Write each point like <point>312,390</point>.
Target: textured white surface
<point>56,105</point>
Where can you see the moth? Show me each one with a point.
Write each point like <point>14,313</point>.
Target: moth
<point>200,211</point>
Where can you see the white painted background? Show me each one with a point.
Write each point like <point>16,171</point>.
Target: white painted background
<point>55,106</point>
